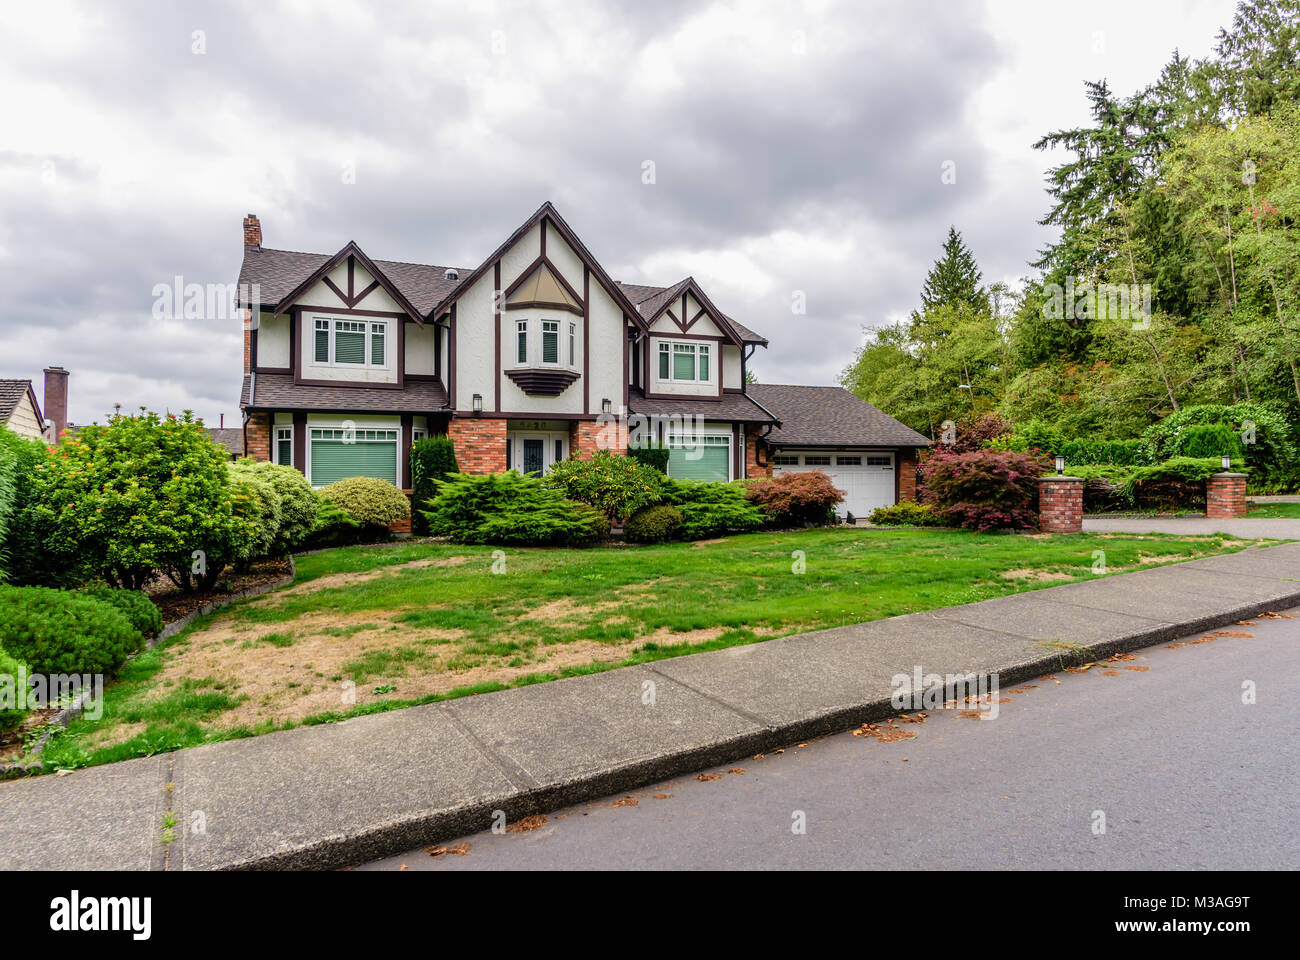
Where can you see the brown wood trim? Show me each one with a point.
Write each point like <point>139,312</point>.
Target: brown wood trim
<point>277,370</point>
<point>702,397</point>
<point>543,305</point>
<point>295,340</point>
<point>299,440</point>
<point>350,311</point>
<point>497,298</point>
<point>532,268</point>
<point>252,354</point>
<point>586,338</point>
<point>347,300</point>
<point>351,384</point>
<point>404,459</point>
<point>365,293</point>
<point>349,251</point>
<point>352,279</point>
<point>627,350</point>
<point>520,415</point>
<point>451,359</point>
<point>423,378</point>
<point>542,383</point>
<point>737,452</point>
<point>542,229</point>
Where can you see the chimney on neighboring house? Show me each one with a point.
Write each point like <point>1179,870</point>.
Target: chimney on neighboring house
<point>56,400</point>
<point>252,231</point>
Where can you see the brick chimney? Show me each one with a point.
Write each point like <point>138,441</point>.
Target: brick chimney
<point>56,400</point>
<point>252,231</point>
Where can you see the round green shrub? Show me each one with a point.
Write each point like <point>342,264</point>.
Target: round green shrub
<point>654,524</point>
<point>368,500</point>
<point>61,631</point>
<point>289,505</point>
<point>134,605</point>
<point>9,667</point>
<point>905,513</point>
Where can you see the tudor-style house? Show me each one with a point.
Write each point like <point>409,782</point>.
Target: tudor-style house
<point>533,356</point>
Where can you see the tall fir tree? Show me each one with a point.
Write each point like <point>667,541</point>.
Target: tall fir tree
<point>954,280</point>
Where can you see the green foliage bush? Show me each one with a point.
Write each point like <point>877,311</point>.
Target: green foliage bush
<point>62,631</point>
<point>654,524</point>
<point>24,558</point>
<point>334,527</point>
<point>907,513</point>
<point>795,499</point>
<point>10,718</point>
<point>1176,483</point>
<point>142,494</point>
<point>655,456</point>
<point>433,459</point>
<point>710,509</point>
<point>1272,455</point>
<point>138,609</point>
<point>510,508</point>
<point>288,505</point>
<point>616,485</point>
<point>983,489</point>
<point>368,500</point>
<point>1201,440</point>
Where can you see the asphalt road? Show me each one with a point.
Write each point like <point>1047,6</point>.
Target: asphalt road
<point>1186,775</point>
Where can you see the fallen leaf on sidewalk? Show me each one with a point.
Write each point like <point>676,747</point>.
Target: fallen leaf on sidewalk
<point>706,777</point>
<point>527,824</point>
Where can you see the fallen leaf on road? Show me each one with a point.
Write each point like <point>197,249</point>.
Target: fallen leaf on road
<point>527,824</point>
<point>1271,615</point>
<point>1247,623</point>
<point>1025,688</point>
<point>1138,669</point>
<point>972,714</point>
<point>663,796</point>
<point>758,756</point>
<point>1174,646</point>
<point>737,771</point>
<point>706,777</point>
<point>626,802</point>
<point>883,733</point>
<point>1121,656</point>
<point>456,850</point>
<point>1230,633</point>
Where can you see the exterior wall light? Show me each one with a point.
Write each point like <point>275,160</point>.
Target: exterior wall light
<point>478,403</point>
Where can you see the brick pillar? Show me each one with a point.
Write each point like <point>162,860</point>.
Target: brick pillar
<point>906,474</point>
<point>588,436</point>
<point>480,444</point>
<point>257,436</point>
<point>752,466</point>
<point>1225,496</point>
<point>1060,504</point>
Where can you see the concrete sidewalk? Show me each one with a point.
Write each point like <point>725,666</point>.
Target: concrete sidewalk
<point>1248,528</point>
<point>345,793</point>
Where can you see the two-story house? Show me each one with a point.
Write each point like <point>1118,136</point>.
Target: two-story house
<point>531,357</point>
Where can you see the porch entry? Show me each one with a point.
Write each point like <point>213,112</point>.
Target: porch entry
<point>534,452</point>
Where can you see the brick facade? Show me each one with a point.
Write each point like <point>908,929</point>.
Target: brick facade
<point>1060,504</point>
<point>1225,496</point>
<point>257,436</point>
<point>752,467</point>
<point>480,444</point>
<point>588,436</point>
<point>906,474</point>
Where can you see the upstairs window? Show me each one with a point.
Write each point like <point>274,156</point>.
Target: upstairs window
<point>284,445</point>
<point>353,343</point>
<point>550,341</point>
<point>573,343</point>
<point>521,336</point>
<point>684,361</point>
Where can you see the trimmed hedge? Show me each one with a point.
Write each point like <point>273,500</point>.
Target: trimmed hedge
<point>655,456</point>
<point>288,505</point>
<point>654,524</point>
<point>905,513</point>
<point>433,459</point>
<point>1272,453</point>
<point>710,509</point>
<point>134,605</point>
<point>510,508</point>
<point>368,500</point>
<point>60,631</point>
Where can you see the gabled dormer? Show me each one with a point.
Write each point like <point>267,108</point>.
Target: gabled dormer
<point>692,348</point>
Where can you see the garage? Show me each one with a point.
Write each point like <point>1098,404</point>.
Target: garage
<point>866,477</point>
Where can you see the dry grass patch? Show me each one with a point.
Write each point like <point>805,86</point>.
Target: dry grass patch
<point>1036,575</point>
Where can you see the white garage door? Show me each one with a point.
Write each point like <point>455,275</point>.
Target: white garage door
<point>867,479</point>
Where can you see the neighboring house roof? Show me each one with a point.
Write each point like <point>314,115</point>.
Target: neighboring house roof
<point>12,393</point>
<point>277,391</point>
<point>732,406</point>
<point>279,272</point>
<point>829,417</point>
<point>232,438</point>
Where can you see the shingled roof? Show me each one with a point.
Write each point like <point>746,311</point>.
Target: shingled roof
<point>277,391</point>
<point>11,394</point>
<point>829,417</point>
<point>649,299</point>
<point>731,406</point>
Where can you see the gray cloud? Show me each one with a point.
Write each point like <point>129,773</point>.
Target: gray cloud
<point>460,119</point>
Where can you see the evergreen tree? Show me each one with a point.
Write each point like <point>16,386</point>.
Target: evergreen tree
<point>954,280</point>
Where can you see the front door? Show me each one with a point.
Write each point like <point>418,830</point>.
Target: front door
<point>534,456</point>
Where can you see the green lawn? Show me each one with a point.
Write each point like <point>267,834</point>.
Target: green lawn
<point>366,629</point>
<point>1274,510</point>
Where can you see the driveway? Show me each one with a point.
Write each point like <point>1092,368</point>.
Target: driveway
<point>1246,527</point>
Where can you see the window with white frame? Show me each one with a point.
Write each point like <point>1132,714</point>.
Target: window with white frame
<point>816,460</point>
<point>786,460</point>
<point>573,344</point>
<point>550,341</point>
<point>521,339</point>
<point>284,445</point>
<point>683,361</point>
<point>352,343</point>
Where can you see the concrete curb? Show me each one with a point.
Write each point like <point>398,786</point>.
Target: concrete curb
<point>64,716</point>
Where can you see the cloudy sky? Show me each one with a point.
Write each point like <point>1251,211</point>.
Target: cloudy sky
<point>796,147</point>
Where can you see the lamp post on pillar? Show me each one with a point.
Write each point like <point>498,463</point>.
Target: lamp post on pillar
<point>1060,501</point>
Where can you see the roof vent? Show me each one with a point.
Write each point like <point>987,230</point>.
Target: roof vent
<point>452,274</point>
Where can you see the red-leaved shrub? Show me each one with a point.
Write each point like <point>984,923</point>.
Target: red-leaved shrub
<point>983,489</point>
<point>795,499</point>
